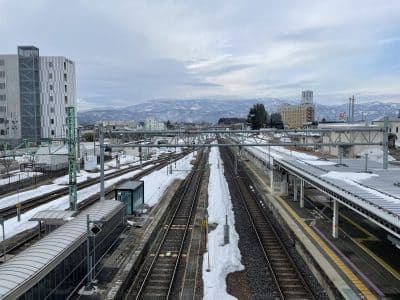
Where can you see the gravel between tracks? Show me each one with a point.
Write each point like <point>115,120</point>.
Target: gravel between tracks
<point>252,256</point>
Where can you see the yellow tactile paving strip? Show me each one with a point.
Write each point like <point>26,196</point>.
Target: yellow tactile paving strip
<point>370,237</point>
<point>363,289</point>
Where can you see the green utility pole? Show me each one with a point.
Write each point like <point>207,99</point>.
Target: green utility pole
<point>71,139</point>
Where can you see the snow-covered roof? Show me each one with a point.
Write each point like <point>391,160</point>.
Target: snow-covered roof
<point>390,119</point>
<point>25,269</point>
<point>378,193</point>
<point>53,149</point>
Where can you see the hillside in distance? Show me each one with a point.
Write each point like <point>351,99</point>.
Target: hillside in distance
<point>208,110</point>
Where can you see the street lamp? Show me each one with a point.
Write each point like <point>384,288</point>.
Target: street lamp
<point>92,229</point>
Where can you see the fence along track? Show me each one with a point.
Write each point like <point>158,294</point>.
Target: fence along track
<point>284,273</point>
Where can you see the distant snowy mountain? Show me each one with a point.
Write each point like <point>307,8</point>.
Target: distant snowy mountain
<point>209,110</point>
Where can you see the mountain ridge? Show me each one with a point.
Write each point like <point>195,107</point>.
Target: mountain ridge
<point>210,110</point>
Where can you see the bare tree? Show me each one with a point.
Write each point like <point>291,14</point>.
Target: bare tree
<point>6,163</point>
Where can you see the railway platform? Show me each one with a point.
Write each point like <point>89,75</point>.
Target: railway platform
<point>330,268</point>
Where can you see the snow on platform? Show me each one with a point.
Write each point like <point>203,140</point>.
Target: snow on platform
<point>224,259</point>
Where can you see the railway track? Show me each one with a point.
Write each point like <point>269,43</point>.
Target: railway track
<point>10,211</point>
<point>157,275</point>
<point>286,278</point>
<point>24,239</point>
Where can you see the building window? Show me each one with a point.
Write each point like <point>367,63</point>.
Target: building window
<point>2,85</point>
<point>50,75</point>
<point>65,88</point>
<point>52,109</point>
<point>2,132</point>
<point>65,76</point>
<point>65,65</point>
<point>66,99</point>
<point>51,98</point>
<point>2,97</point>
<point>3,109</point>
<point>51,87</point>
<point>51,121</point>
<point>1,120</point>
<point>1,62</point>
<point>52,132</point>
<point>2,74</point>
<point>397,129</point>
<point>50,64</point>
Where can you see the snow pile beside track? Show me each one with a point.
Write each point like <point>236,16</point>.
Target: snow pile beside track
<point>157,182</point>
<point>224,259</point>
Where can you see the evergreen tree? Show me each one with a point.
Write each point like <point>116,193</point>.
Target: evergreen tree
<point>257,116</point>
<point>275,121</point>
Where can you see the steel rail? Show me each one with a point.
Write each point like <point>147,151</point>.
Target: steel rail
<point>10,211</point>
<point>252,220</point>
<point>187,186</point>
<point>34,231</point>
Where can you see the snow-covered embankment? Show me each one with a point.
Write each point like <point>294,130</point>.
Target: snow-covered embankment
<point>223,259</point>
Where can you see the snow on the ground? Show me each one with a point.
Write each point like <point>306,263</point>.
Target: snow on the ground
<point>154,186</point>
<point>316,162</point>
<point>375,154</point>
<point>18,176</point>
<point>224,259</point>
<point>157,182</point>
<point>12,226</point>
<point>348,176</point>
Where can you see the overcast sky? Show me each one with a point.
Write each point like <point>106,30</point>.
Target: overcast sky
<point>131,51</point>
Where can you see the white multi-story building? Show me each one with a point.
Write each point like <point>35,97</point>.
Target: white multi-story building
<point>307,97</point>
<point>151,124</point>
<point>34,92</point>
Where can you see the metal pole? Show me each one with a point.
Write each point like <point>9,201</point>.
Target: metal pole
<point>269,156</point>
<point>4,238</point>
<point>236,164</point>
<point>335,220</point>
<point>71,156</point>
<point>78,150</point>
<point>366,162</point>
<point>385,142</point>
<point>94,142</point>
<point>226,231</point>
<point>349,116</point>
<point>88,250</point>
<point>301,193</point>
<point>101,137</point>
